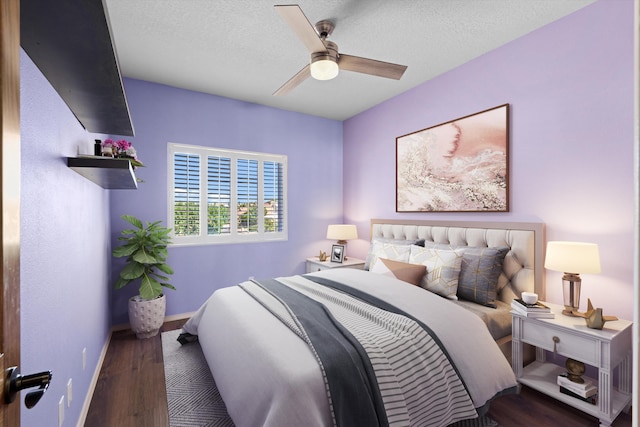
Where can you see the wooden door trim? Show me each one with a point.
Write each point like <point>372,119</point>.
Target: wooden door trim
<point>10,195</point>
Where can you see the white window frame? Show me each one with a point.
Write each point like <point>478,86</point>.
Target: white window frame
<point>233,237</point>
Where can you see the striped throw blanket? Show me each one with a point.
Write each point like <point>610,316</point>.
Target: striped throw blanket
<point>380,366</point>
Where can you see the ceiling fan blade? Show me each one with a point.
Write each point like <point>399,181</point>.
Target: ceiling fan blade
<point>294,81</point>
<point>371,66</point>
<point>299,23</point>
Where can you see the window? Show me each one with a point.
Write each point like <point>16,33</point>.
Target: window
<point>240,196</point>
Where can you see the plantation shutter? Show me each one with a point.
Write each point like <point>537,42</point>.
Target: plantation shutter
<point>186,194</point>
<point>273,197</point>
<point>218,195</point>
<point>245,194</point>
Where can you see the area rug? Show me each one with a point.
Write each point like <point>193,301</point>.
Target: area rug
<point>192,395</point>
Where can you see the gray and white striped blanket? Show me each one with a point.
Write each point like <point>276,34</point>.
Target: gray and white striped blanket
<point>417,381</point>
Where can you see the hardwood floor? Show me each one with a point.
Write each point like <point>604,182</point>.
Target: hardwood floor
<point>131,393</point>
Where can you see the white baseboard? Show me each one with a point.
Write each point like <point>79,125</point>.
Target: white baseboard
<point>96,373</point>
<point>179,316</point>
<point>124,326</point>
<point>94,381</point>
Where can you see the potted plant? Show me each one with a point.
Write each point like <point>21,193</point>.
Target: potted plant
<point>145,249</point>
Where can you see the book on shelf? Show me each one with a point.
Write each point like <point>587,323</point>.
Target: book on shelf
<point>536,306</point>
<point>515,308</point>
<point>586,389</point>
<point>591,399</point>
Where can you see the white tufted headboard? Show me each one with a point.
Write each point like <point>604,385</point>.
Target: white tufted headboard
<point>523,264</point>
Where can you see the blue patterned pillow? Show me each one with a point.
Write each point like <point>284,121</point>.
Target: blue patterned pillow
<point>479,273</point>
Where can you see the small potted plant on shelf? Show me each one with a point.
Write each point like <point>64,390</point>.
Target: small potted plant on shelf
<point>121,149</point>
<point>145,249</point>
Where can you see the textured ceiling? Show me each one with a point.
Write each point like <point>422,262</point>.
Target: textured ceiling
<point>243,49</point>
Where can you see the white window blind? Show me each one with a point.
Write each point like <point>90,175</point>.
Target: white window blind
<point>245,195</point>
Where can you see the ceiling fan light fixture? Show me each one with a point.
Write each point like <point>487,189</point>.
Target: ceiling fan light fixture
<point>324,67</point>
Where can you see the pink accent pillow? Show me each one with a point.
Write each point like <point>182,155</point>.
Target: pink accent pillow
<point>410,273</point>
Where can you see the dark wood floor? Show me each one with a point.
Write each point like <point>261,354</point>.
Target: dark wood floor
<point>131,393</point>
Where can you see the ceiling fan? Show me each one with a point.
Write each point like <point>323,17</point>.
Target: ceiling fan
<point>325,61</point>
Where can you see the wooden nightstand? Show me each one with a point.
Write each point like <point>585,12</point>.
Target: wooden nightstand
<point>603,349</point>
<point>314,264</point>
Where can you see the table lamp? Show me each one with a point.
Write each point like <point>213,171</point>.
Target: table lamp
<point>342,233</point>
<point>572,258</point>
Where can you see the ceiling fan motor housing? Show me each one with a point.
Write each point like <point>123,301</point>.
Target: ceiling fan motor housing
<point>324,28</point>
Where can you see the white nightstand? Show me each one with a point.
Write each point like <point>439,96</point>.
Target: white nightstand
<point>314,264</point>
<point>603,349</point>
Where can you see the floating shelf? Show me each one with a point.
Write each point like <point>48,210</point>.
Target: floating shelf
<point>70,42</point>
<point>107,172</point>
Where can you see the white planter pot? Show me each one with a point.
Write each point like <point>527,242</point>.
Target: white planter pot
<point>146,316</point>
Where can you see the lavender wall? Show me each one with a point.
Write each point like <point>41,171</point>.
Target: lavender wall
<point>163,114</point>
<point>570,86</point>
<point>64,251</point>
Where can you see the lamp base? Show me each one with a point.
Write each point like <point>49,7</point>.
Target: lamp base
<point>571,292</point>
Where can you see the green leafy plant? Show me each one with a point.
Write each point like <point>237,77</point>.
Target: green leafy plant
<point>146,252</point>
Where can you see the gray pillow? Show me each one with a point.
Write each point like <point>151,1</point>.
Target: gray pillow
<point>479,273</point>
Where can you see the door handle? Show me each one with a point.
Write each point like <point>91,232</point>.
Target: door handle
<point>14,382</point>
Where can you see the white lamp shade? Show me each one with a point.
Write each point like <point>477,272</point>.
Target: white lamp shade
<point>342,232</point>
<point>324,69</point>
<point>573,257</point>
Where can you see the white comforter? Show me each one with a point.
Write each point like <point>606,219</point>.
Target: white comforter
<point>267,376</point>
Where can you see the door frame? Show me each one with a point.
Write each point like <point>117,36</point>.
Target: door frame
<point>9,199</point>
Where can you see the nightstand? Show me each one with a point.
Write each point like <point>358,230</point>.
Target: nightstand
<point>603,349</point>
<point>314,264</point>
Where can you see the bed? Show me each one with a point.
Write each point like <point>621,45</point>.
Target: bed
<point>521,270</point>
<point>439,359</point>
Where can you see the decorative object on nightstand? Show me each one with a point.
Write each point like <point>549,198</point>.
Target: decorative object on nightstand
<point>529,297</point>
<point>575,371</point>
<point>322,256</point>
<point>536,309</point>
<point>572,258</point>
<point>594,317</point>
<point>342,233</point>
<point>337,253</point>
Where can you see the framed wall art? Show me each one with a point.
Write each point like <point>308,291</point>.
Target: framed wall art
<point>458,166</point>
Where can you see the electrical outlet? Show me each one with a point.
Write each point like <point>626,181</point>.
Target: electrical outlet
<point>84,358</point>
<point>69,393</point>
<point>61,411</point>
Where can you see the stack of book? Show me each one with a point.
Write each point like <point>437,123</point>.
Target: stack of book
<point>536,309</point>
<point>587,391</point>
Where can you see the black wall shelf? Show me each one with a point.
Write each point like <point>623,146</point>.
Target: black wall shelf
<point>70,42</point>
<point>107,172</point>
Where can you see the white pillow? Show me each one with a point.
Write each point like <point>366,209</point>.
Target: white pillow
<point>392,251</point>
<point>443,269</point>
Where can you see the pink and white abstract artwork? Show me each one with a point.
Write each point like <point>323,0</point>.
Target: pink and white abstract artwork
<point>458,166</point>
